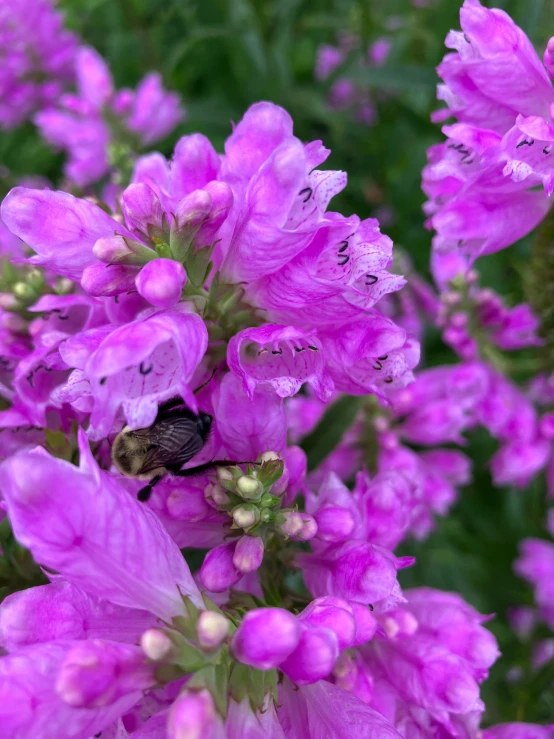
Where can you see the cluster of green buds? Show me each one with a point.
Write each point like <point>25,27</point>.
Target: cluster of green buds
<point>22,286</point>
<point>254,501</point>
<point>199,645</point>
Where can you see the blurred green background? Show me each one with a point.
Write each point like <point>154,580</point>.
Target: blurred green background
<point>223,55</point>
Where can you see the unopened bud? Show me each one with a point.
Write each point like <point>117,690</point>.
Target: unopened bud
<point>35,278</point>
<point>249,487</point>
<point>212,628</point>
<point>192,716</point>
<point>249,554</point>
<point>64,286</point>
<point>292,524</point>
<point>214,492</point>
<point>269,457</point>
<point>224,473</point>
<point>119,250</point>
<point>245,516</point>
<point>24,292</point>
<point>155,644</point>
<point>309,528</point>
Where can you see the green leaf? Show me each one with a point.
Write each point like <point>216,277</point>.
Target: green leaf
<point>400,78</point>
<point>330,430</point>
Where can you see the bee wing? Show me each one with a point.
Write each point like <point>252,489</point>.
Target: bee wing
<point>172,443</point>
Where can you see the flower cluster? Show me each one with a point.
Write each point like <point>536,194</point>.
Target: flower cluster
<point>226,284</point>
<point>98,126</point>
<point>176,564</point>
<point>482,183</point>
<point>37,58</point>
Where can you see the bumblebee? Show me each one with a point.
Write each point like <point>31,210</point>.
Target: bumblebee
<point>174,438</point>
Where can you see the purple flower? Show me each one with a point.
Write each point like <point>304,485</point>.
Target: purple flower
<point>266,637</point>
<point>427,668</point>
<point>80,124</point>
<point>37,59</point>
<point>60,228</point>
<point>132,368</point>
<point>356,570</point>
<point>192,713</point>
<point>279,195</point>
<point>481,182</point>
<point>282,356</point>
<point>321,708</point>
<point>161,281</point>
<point>536,565</point>
<point>32,704</point>
<point>62,610</point>
<point>79,539</point>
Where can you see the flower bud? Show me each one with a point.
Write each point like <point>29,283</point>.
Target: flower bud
<point>193,209</point>
<point>269,457</point>
<point>104,280</point>
<point>141,207</point>
<point>334,614</point>
<point>190,214</point>
<point>192,716</point>
<point>218,571</point>
<point>246,516</point>
<point>366,624</point>
<point>222,200</point>
<point>161,282</point>
<point>224,473</point>
<point>293,523</point>
<point>96,673</point>
<point>266,637</point>
<point>111,249</point>
<point>119,250</point>
<point>212,628</point>
<point>24,292</point>
<point>314,657</point>
<point>249,553</point>
<point>308,527</point>
<point>216,493</point>
<point>249,488</point>
<point>334,523</point>
<point>155,644</point>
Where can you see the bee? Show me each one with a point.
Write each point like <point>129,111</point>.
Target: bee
<point>175,437</point>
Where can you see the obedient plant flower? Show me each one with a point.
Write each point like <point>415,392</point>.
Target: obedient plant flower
<point>536,565</point>
<point>38,57</point>
<point>425,665</point>
<point>224,281</point>
<point>95,125</point>
<point>482,183</point>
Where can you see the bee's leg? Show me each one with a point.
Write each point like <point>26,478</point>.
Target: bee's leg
<point>145,492</point>
<point>210,378</point>
<point>191,471</point>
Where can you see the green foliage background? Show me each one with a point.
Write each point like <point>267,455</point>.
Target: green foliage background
<point>223,55</point>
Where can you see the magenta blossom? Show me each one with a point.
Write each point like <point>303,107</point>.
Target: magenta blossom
<point>80,124</point>
<point>37,59</point>
<point>482,182</point>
